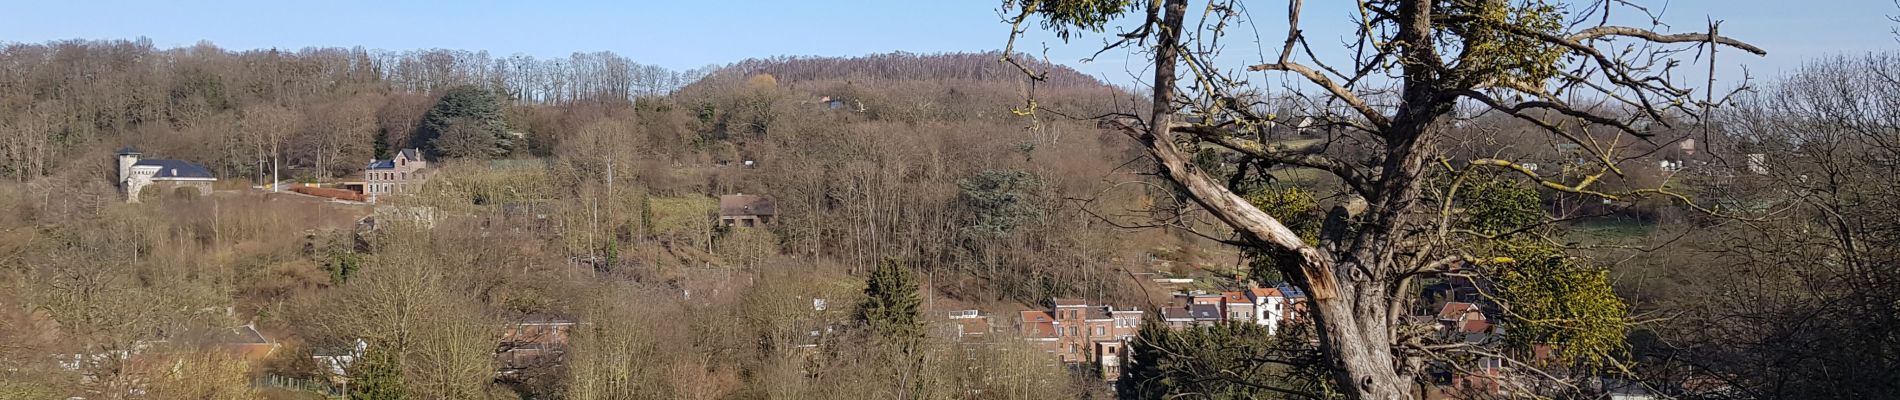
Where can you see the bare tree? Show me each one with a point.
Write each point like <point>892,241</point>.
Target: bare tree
<point>1412,63</point>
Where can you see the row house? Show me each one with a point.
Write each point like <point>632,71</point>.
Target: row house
<point>1268,306</point>
<point>1081,333</point>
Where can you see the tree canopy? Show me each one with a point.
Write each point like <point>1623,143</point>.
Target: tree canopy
<point>466,122</point>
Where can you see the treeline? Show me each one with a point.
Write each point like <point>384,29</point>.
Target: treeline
<point>906,66</point>
<point>67,100</point>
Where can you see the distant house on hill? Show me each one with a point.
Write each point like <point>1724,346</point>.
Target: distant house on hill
<point>174,176</point>
<point>248,343</point>
<point>745,210</point>
<point>533,342</point>
<point>405,173</point>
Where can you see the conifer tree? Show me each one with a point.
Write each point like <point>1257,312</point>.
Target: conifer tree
<point>890,307</point>
<point>377,376</point>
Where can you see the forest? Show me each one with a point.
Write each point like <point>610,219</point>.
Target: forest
<point>1741,248</point>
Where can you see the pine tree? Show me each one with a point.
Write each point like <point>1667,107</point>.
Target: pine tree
<point>377,376</point>
<point>891,306</point>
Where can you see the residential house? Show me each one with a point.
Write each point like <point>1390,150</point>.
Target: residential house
<point>969,326</point>
<point>1185,299</point>
<point>1177,317</point>
<point>1463,318</point>
<point>1040,327</point>
<point>247,343</point>
<point>169,176</point>
<point>1072,326</point>
<point>403,174</point>
<point>1238,307</point>
<point>1205,314</point>
<point>1108,358</point>
<point>1269,308</point>
<point>336,361</point>
<point>1081,333</point>
<point>1272,307</point>
<point>533,341</point>
<point>745,210</point>
<point>1295,301</point>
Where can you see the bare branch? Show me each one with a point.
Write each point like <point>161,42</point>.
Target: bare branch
<point>1606,31</point>
<point>1358,104</point>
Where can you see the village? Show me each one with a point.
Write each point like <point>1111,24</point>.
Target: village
<point>1398,199</point>
<point>1086,337</point>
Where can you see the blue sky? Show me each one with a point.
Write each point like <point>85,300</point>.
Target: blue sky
<point>687,34</point>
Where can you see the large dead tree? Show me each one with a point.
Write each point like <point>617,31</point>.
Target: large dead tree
<point>1414,64</point>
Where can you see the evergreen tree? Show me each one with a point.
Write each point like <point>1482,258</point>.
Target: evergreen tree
<point>470,114</point>
<point>377,376</point>
<point>890,306</point>
<point>1000,201</point>
<point>380,147</point>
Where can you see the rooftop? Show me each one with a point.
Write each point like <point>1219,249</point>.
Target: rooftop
<point>1204,311</point>
<point>1036,316</point>
<point>1456,310</point>
<point>746,204</point>
<point>1289,291</point>
<point>176,169</point>
<point>412,154</point>
<point>1234,297</point>
<point>1176,313</point>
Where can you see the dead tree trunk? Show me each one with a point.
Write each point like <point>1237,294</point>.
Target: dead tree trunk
<point>1351,314</point>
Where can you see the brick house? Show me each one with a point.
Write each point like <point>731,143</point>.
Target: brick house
<point>1081,333</point>
<point>403,174</point>
<point>162,176</point>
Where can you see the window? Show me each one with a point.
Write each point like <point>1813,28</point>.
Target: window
<point>1100,331</point>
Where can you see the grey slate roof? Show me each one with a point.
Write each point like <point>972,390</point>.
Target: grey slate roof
<point>1175,313</point>
<point>177,169</point>
<point>412,154</point>
<point>1204,311</point>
